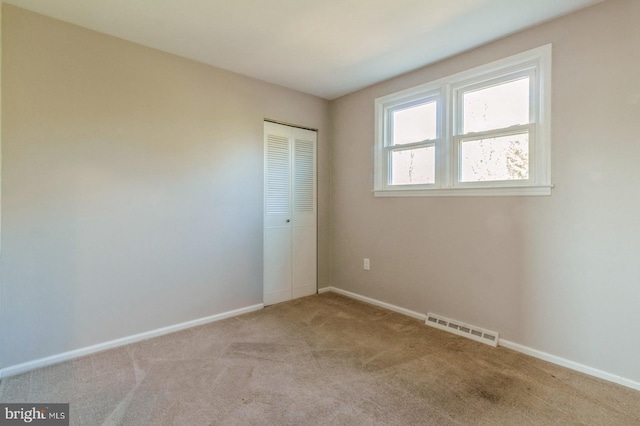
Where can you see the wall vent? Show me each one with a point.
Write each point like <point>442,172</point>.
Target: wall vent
<point>461,329</point>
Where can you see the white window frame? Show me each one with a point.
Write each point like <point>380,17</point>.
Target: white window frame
<point>448,92</point>
<point>423,97</point>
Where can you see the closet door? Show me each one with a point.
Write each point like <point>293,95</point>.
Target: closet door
<point>289,213</point>
<point>304,232</point>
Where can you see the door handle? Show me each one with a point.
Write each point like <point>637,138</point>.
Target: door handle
<point>288,220</point>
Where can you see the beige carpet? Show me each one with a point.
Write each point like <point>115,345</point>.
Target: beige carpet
<point>321,360</point>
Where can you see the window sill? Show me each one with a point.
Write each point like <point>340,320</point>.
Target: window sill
<point>512,191</point>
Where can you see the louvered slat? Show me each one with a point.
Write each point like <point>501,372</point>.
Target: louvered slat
<point>304,176</point>
<point>277,185</point>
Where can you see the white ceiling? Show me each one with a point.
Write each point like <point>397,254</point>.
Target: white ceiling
<point>326,48</point>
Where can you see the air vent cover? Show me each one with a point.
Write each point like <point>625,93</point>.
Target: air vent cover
<point>461,329</point>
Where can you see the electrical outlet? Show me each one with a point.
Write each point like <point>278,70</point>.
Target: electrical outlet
<point>367,264</point>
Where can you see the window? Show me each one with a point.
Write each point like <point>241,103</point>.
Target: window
<point>480,132</point>
<point>413,132</point>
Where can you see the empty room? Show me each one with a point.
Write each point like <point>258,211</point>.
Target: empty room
<point>339,212</point>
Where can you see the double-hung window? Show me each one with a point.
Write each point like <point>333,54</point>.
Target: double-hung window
<point>480,132</point>
<point>413,133</point>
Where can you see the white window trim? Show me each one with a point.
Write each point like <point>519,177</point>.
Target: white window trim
<point>537,64</point>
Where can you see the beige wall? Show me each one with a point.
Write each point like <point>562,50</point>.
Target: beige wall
<point>131,188</point>
<point>559,274</point>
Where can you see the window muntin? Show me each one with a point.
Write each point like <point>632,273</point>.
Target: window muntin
<point>490,136</point>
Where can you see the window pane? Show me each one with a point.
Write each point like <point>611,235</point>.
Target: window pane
<point>496,107</point>
<point>414,124</point>
<point>413,166</point>
<point>491,159</point>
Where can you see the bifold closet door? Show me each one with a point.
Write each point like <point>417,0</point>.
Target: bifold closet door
<point>290,213</point>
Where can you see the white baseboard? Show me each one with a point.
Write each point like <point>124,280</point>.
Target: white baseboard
<point>77,353</point>
<point>371,301</point>
<point>572,365</point>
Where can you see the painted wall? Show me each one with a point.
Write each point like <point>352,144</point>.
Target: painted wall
<point>560,274</point>
<point>132,187</point>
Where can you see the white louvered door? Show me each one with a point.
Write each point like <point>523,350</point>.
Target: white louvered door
<point>289,213</point>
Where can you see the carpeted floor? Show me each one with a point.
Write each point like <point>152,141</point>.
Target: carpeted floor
<point>321,360</point>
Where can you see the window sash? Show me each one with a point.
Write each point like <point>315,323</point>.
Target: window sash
<point>407,147</point>
<point>484,83</point>
<point>415,99</point>
<point>529,129</point>
<point>389,140</point>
